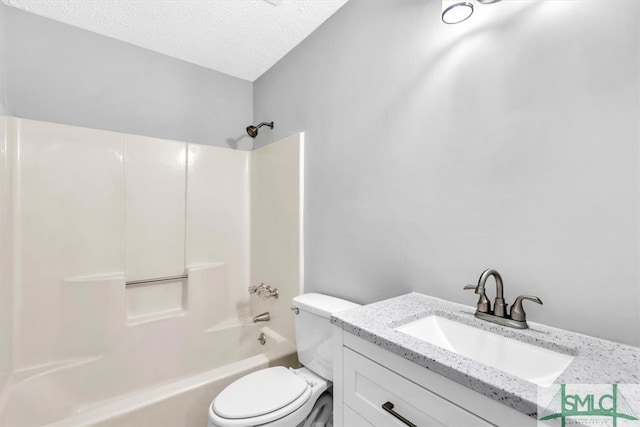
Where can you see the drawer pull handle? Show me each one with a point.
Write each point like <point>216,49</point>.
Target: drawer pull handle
<point>388,406</point>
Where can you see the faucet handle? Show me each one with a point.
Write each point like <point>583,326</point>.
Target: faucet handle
<point>256,288</point>
<point>483,305</point>
<point>517,312</point>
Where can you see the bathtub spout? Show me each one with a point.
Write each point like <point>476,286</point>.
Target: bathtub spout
<point>264,317</point>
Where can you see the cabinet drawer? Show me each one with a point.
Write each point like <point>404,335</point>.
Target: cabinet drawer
<point>368,386</point>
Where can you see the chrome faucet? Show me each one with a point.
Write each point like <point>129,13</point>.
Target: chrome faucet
<point>517,318</point>
<point>263,317</point>
<point>264,291</point>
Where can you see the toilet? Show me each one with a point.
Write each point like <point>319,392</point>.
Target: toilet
<point>281,397</point>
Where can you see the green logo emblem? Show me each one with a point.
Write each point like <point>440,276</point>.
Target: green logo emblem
<point>588,408</point>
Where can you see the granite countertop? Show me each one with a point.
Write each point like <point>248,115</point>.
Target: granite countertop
<point>596,361</point>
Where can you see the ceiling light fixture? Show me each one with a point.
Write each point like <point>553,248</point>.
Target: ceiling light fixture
<point>456,11</point>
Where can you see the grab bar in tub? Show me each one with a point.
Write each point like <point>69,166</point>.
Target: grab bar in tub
<point>158,279</point>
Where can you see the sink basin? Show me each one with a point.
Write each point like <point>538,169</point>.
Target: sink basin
<point>529,362</point>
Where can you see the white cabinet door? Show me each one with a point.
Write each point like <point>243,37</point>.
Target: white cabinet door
<point>386,399</point>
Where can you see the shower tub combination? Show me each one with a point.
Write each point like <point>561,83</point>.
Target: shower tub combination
<point>125,301</point>
<point>97,391</point>
<point>117,365</point>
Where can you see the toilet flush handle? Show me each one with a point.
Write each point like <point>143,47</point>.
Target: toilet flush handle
<point>295,310</point>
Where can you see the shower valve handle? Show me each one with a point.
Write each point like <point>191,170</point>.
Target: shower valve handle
<point>264,291</point>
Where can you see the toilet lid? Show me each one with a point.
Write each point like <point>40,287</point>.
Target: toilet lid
<point>259,393</point>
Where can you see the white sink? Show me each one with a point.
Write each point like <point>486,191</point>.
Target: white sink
<point>529,362</point>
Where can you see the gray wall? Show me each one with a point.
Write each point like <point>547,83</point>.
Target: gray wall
<point>434,152</point>
<point>59,73</point>
<point>3,86</point>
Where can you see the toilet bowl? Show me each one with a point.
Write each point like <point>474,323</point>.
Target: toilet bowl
<point>277,397</point>
<point>281,397</point>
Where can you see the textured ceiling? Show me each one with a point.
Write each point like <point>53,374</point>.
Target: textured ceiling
<point>243,38</point>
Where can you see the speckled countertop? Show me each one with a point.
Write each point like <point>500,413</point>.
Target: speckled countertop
<point>596,361</point>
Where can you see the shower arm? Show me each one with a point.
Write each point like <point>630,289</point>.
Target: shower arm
<point>265,124</point>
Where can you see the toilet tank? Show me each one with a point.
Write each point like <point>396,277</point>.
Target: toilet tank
<point>313,330</point>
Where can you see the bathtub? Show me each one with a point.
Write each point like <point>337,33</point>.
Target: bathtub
<point>118,390</point>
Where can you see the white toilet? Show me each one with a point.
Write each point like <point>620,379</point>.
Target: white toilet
<point>281,397</point>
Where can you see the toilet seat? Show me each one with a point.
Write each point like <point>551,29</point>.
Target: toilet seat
<point>260,397</point>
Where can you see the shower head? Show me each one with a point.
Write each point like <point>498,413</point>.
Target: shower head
<point>252,130</point>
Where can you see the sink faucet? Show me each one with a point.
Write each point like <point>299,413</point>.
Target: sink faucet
<point>499,307</point>
<point>517,318</point>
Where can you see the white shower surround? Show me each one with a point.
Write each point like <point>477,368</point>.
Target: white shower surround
<point>78,338</point>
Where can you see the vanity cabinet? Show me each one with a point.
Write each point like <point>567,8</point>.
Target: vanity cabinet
<point>374,387</point>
